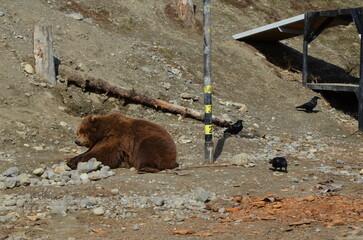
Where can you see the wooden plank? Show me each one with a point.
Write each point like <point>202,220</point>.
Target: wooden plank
<point>339,87</point>
<point>271,28</point>
<point>272,32</point>
<point>43,53</point>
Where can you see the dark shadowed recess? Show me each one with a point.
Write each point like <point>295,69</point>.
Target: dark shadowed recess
<point>319,72</point>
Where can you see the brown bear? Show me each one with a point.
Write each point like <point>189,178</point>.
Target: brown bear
<point>119,141</point>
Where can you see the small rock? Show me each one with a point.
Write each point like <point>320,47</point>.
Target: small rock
<point>340,161</point>
<point>295,180</point>
<point>23,179</point>
<point>28,69</point>
<point>136,227</point>
<point>59,207</point>
<point>11,172</point>
<point>8,218</point>
<point>10,182</point>
<point>165,85</point>
<point>146,69</point>
<point>361,172</point>
<point>91,165</point>
<point>201,195</point>
<point>59,169</point>
<point>9,202</point>
<point>115,191</point>
<point>2,14</point>
<point>179,217</point>
<point>243,108</point>
<point>158,201</point>
<point>88,202</point>
<point>84,176</point>
<point>189,96</point>
<point>221,210</point>
<point>98,211</point>
<point>76,16</point>
<point>38,148</point>
<point>240,159</point>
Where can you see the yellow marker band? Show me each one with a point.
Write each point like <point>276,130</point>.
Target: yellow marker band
<point>208,89</point>
<point>208,129</point>
<point>208,108</point>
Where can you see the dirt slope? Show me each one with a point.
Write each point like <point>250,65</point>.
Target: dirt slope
<point>137,44</point>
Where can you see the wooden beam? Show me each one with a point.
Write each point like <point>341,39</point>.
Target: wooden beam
<point>339,87</point>
<point>102,86</point>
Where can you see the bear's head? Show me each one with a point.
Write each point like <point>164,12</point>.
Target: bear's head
<point>87,132</point>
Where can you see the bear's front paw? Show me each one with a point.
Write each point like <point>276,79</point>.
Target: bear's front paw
<point>72,163</point>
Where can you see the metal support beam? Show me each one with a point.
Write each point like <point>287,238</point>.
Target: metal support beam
<point>320,29</point>
<point>309,21</point>
<point>358,20</point>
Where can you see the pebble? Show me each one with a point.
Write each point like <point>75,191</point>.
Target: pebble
<point>29,69</point>
<point>38,171</point>
<point>10,182</point>
<point>23,179</point>
<point>179,217</point>
<point>2,14</point>
<point>201,195</point>
<point>115,191</point>
<point>59,207</point>
<point>76,16</point>
<point>189,96</point>
<point>340,161</point>
<point>158,201</point>
<point>98,211</point>
<point>91,165</point>
<point>11,172</point>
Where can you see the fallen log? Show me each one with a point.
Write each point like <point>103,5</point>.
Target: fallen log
<point>88,82</point>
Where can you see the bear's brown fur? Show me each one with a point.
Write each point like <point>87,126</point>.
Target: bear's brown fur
<point>119,141</point>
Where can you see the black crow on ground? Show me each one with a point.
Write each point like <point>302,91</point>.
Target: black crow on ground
<point>309,106</point>
<point>234,129</point>
<point>279,162</point>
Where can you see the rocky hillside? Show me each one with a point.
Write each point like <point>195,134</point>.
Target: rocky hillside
<point>141,45</point>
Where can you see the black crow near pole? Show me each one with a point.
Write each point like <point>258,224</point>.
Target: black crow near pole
<point>234,129</point>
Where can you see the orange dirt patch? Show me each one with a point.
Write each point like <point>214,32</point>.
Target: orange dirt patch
<point>297,211</point>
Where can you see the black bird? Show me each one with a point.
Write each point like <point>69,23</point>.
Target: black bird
<point>234,129</point>
<point>279,162</point>
<point>309,106</point>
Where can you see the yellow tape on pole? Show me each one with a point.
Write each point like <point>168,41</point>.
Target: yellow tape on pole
<point>208,129</point>
<point>208,89</point>
<point>208,108</point>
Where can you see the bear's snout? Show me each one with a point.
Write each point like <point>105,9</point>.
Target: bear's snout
<point>79,143</point>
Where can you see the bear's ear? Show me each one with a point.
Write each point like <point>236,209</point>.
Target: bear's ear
<point>94,118</point>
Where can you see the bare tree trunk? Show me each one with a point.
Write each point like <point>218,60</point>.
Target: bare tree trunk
<point>185,11</point>
<point>75,78</point>
<point>43,53</point>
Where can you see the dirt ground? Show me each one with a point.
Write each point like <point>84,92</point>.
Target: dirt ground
<point>138,45</point>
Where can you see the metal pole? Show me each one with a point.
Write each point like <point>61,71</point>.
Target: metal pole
<point>208,145</point>
<point>358,20</point>
<point>305,50</point>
